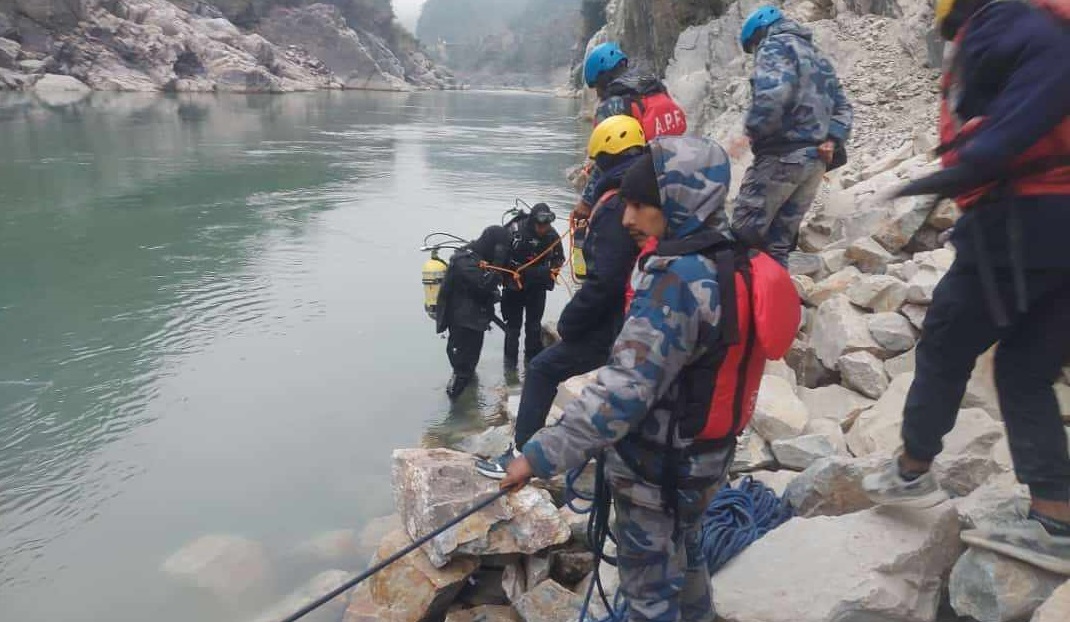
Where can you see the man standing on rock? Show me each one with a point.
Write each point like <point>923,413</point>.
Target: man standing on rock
<point>798,124</point>
<point>1006,157</point>
<point>592,318</point>
<point>652,407</point>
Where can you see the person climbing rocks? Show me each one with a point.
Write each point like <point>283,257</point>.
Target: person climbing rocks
<point>1005,136</point>
<point>623,89</point>
<point>590,321</point>
<point>466,302</point>
<point>798,123</point>
<point>665,417</point>
<point>537,253</point>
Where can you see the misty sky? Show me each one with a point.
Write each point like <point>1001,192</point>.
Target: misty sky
<point>408,11</point>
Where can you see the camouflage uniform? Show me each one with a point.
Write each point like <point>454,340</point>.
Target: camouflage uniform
<point>797,104</point>
<point>671,323</point>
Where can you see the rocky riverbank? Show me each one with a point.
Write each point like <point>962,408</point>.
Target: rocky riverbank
<point>194,46</point>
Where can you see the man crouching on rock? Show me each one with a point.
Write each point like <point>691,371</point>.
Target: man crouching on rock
<point>658,406</point>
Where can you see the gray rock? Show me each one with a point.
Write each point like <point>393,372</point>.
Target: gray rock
<point>1000,501</point>
<point>488,443</point>
<point>316,587</point>
<point>31,65</point>
<point>840,329</point>
<point>878,292</point>
<point>226,565</point>
<point>915,313</point>
<point>804,285</point>
<point>778,413</point>
<point>576,522</point>
<point>869,256</point>
<point>835,259</point>
<point>991,588</point>
<point>433,485</point>
<point>56,90</point>
<point>809,370</point>
<point>921,285</point>
<point>981,389</point>
<point>967,460</point>
<point>832,486</point>
<point>944,216</point>
<point>484,613</point>
<point>807,264</point>
<point>892,331</point>
<point>9,53</point>
<point>864,373</point>
<point>902,364</point>
<point>780,369</point>
<point>903,271</point>
<point>908,216</point>
<point>14,81</point>
<point>570,566</point>
<point>833,285</point>
<point>834,402</point>
<point>829,429</point>
<point>410,589</point>
<point>800,452</point>
<point>1056,608</point>
<point>877,430</point>
<point>777,480</point>
<point>550,336</point>
<point>332,546</point>
<point>752,453</point>
<point>870,565</point>
<point>549,602</point>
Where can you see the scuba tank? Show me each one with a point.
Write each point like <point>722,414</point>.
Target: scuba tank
<point>434,274</point>
<point>579,265</point>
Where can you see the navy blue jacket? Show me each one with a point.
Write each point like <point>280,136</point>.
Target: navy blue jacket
<point>596,313</point>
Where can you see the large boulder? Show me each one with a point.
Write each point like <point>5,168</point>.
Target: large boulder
<point>229,566</point>
<point>840,329</point>
<point>870,565</point>
<point>409,590</point>
<point>908,216</point>
<point>832,486</point>
<point>778,412</point>
<point>834,402</point>
<point>432,486</point>
<point>878,292</point>
<point>1056,608</point>
<point>989,587</point>
<point>877,430</point>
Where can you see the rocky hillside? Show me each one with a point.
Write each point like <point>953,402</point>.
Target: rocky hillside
<point>493,42</point>
<point>228,45</point>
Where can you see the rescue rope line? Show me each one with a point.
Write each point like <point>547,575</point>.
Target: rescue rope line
<point>737,517</point>
<point>393,558</point>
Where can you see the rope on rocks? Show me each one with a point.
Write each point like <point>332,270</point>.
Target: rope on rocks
<point>737,517</point>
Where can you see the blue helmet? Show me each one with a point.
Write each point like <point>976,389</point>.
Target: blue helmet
<point>604,57</point>
<point>760,18</point>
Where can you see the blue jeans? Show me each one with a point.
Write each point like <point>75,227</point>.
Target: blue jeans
<point>551,367</point>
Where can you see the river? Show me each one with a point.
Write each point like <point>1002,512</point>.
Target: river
<point>211,321</point>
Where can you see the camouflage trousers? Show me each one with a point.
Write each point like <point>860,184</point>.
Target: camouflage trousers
<point>774,197</point>
<point>663,575</point>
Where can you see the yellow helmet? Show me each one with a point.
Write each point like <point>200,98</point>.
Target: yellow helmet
<point>942,9</point>
<point>614,135</point>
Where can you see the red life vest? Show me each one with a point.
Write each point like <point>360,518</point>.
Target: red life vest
<point>1041,169</point>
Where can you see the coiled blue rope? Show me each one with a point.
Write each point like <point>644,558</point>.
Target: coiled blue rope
<point>737,517</point>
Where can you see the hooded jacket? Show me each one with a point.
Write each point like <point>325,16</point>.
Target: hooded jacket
<point>673,321</point>
<point>797,100</point>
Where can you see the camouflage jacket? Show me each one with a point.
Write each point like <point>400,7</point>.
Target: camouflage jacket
<point>669,325</point>
<point>797,99</point>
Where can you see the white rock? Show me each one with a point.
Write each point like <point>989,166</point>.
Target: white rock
<point>840,329</point>
<point>892,331</point>
<point>1000,501</point>
<point>992,588</point>
<point>56,90</point>
<point>908,215</point>
<point>9,53</point>
<point>778,413</point>
<point>802,451</point>
<point>981,389</point>
<point>967,460</point>
<point>1056,608</point>
<point>752,453</point>
<point>939,259</point>
<point>864,373</point>
<point>902,364</point>
<point>870,565</point>
<point>831,430</point>
<point>903,271</point>
<point>878,292</point>
<point>914,313</point>
<point>835,259</point>
<point>833,285</point>
<point>780,369</point>
<point>869,256</point>
<point>834,402</point>
<point>804,285</point>
<point>226,565</point>
<point>921,285</point>
<point>549,602</point>
<point>877,430</point>
<point>433,485</point>
<point>944,216</point>
<point>777,480</point>
<point>832,486</point>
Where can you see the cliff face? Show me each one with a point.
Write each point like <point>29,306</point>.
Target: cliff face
<point>228,45</point>
<point>510,43</point>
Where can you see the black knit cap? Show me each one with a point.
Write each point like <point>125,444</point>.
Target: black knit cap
<point>640,182</point>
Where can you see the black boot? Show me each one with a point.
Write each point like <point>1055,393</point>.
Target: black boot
<point>456,385</point>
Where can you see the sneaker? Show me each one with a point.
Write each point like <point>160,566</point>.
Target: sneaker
<point>1026,541</point>
<point>494,468</point>
<point>887,487</point>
